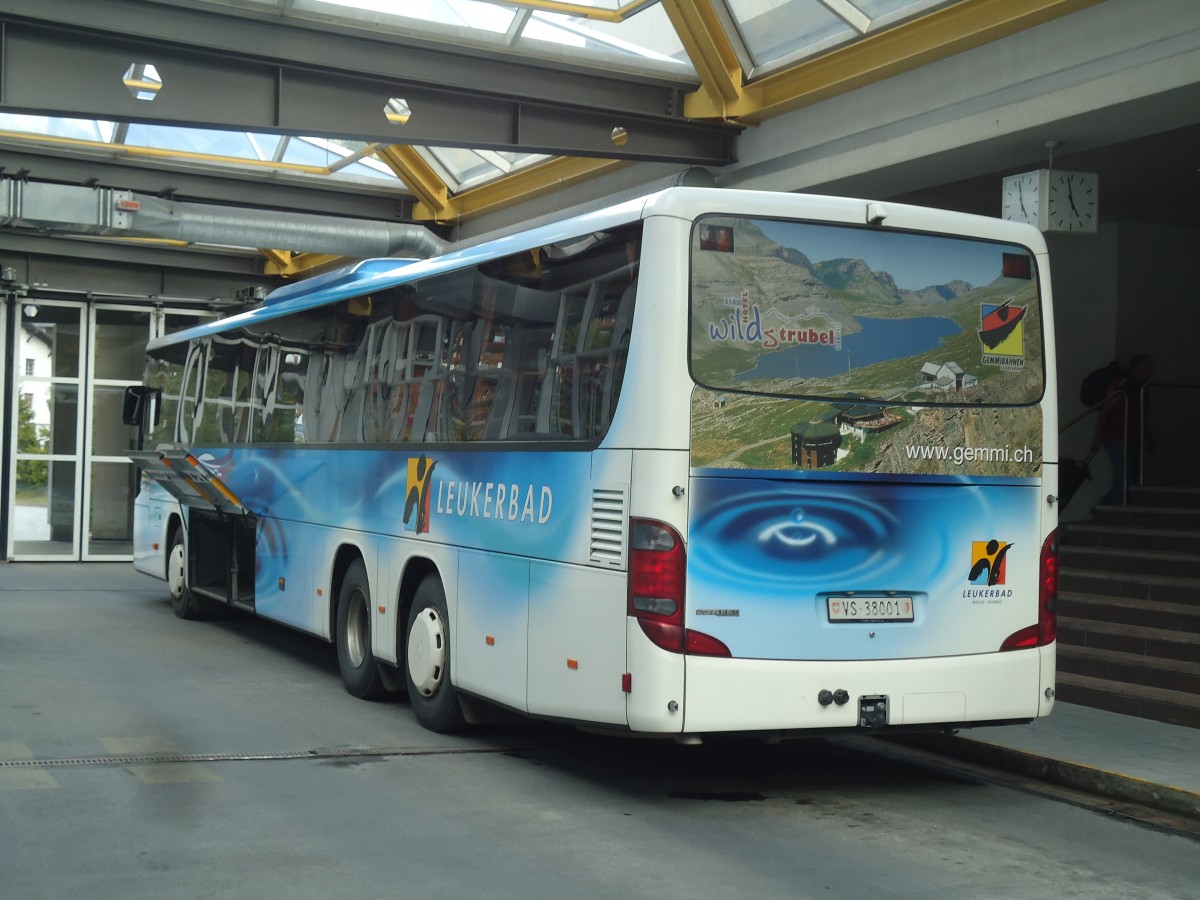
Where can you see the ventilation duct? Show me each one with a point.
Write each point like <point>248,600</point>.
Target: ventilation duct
<point>73,209</point>
<point>200,223</point>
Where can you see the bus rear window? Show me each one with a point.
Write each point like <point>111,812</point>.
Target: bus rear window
<point>830,312</point>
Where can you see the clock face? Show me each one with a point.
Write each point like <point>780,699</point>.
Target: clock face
<point>1072,201</point>
<point>1019,202</point>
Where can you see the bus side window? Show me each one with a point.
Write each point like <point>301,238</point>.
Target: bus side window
<point>589,358</point>
<point>528,361</point>
<point>343,339</point>
<point>427,376</point>
<point>622,325</point>
<point>559,413</point>
<point>190,392</point>
<point>278,391</point>
<point>354,382</point>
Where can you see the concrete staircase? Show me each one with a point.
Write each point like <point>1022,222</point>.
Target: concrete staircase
<point>1129,607</point>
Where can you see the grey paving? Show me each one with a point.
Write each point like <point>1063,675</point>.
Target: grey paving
<point>1150,751</point>
<point>99,683</point>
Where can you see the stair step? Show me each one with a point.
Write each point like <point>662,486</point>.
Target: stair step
<point>1163,517</point>
<point>1131,668</point>
<point>1148,562</point>
<point>1175,707</point>
<point>1130,611</point>
<point>1164,588</point>
<point>1153,642</point>
<point>1089,534</point>
<point>1165,496</point>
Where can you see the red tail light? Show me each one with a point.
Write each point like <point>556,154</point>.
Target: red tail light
<point>657,570</point>
<point>1048,591</point>
<point>1046,630</point>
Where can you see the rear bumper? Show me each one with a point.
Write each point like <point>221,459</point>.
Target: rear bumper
<point>770,695</point>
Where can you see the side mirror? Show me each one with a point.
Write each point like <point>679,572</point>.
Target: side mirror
<point>141,406</point>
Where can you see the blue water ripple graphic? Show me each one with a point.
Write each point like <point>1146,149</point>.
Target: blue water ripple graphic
<point>800,541</point>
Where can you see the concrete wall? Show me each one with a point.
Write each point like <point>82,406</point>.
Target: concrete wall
<point>1085,285</point>
<point>1131,289</point>
<point>990,108</point>
<point>1159,313</point>
<point>1159,306</point>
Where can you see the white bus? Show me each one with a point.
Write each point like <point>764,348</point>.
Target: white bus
<point>705,461</point>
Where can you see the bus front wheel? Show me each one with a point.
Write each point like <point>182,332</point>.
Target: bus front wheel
<point>427,660</point>
<point>356,662</point>
<point>186,604</point>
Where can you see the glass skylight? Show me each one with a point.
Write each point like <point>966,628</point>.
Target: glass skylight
<point>628,36</point>
<point>53,126</point>
<point>777,33</point>
<point>467,13</point>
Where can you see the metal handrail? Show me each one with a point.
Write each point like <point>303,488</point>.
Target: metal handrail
<point>1159,385</point>
<point>1083,436</point>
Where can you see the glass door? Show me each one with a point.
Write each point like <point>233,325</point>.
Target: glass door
<point>118,353</point>
<point>73,483</point>
<point>46,431</point>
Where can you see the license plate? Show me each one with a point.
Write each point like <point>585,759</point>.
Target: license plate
<point>870,609</point>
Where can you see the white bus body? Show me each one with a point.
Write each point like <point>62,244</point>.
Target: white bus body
<point>707,461</point>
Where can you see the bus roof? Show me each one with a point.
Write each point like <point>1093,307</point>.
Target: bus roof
<point>380,274</point>
<point>684,202</point>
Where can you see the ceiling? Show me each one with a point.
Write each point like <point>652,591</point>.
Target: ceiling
<point>1151,178</point>
<point>439,111</point>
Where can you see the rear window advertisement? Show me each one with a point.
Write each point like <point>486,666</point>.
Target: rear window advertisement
<point>833,347</point>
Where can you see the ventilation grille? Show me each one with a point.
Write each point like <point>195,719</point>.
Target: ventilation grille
<point>608,527</point>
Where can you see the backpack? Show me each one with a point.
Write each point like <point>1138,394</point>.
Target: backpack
<point>1096,383</point>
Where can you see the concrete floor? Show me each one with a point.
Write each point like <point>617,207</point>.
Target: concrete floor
<point>101,687</point>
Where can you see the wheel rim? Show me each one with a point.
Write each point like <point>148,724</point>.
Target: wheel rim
<point>357,633</point>
<point>175,571</point>
<point>427,652</point>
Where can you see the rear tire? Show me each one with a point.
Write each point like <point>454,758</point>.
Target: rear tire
<point>360,671</point>
<point>186,604</point>
<point>427,660</point>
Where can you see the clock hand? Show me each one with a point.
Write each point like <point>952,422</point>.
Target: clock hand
<point>1021,198</point>
<point>1071,198</point>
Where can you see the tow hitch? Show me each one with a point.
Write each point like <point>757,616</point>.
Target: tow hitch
<point>872,712</point>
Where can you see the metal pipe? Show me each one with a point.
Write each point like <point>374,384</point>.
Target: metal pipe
<point>75,209</point>
<point>200,223</point>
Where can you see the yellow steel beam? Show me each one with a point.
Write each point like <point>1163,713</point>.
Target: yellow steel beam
<point>157,242</point>
<point>534,181</point>
<point>943,33</point>
<point>583,11</point>
<point>420,178</point>
<point>279,259</point>
<point>303,264</point>
<point>716,62</point>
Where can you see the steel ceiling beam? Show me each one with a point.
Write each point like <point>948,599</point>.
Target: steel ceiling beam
<point>420,178</point>
<point>238,72</point>
<point>68,164</point>
<point>708,46</point>
<point>585,11</point>
<point>132,253</point>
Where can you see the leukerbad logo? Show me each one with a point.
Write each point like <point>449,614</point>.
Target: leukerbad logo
<point>417,493</point>
<point>988,562</point>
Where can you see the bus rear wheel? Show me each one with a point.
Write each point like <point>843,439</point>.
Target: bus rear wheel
<point>356,662</point>
<point>427,660</point>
